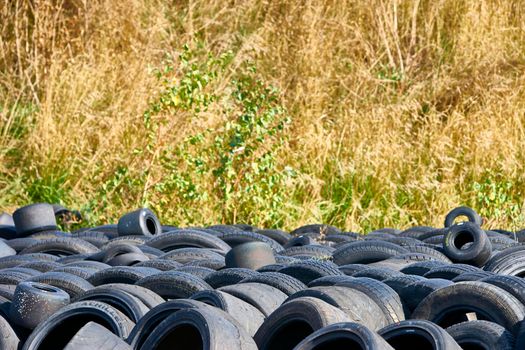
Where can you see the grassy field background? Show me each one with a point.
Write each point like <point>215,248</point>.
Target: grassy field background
<point>360,114</point>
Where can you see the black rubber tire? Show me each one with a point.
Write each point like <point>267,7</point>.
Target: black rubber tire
<point>472,276</point>
<point>98,239</point>
<point>340,239</point>
<point>329,281</point>
<point>285,283</point>
<point>121,274</point>
<point>33,303</point>
<point>448,305</point>
<point>344,335</point>
<point>81,272</point>
<point>458,236</point>
<point>384,296</point>
<point>414,293</point>
<point>60,328</point>
<point>214,264</point>
<point>271,268</point>
<point>309,270</point>
<point>8,338</point>
<point>202,327</point>
<point>95,336</point>
<point>449,272</point>
<point>141,222</point>
<point>357,305</point>
<point>71,284</point>
<point>133,240</point>
<point>378,273</point>
<point>155,316</point>
<point>235,238</point>
<point>463,211</point>
<point>364,252</point>
<point>19,244</point>
<point>509,264</point>
<point>187,239</point>
<point>159,264</point>
<point>262,296</point>
<point>422,267</point>
<point>15,260</point>
<point>251,255</point>
<point>248,316</point>
<point>197,271</point>
<point>483,335</point>
<point>279,236</point>
<point>350,269</point>
<point>317,229</point>
<point>174,285</point>
<point>295,320</point>
<point>511,284</point>
<point>34,218</point>
<point>93,265</point>
<point>73,258</point>
<point>416,231</point>
<point>186,255</point>
<point>399,282</point>
<point>422,249</point>
<point>61,246</point>
<point>126,303</point>
<point>42,266</point>
<point>300,241</point>
<point>399,262</point>
<point>228,277</point>
<point>418,334</point>
<point>128,259</point>
<point>113,251</point>
<point>314,251</point>
<point>146,296</point>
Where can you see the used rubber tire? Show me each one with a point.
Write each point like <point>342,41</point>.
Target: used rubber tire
<point>418,334</point>
<point>399,282</point>
<point>42,266</point>
<point>71,284</point>
<point>61,246</point>
<point>126,303</point>
<point>249,317</point>
<point>8,337</point>
<point>458,236</point>
<point>228,277</point>
<point>378,273</point>
<point>350,269</point>
<point>214,264</point>
<point>142,222</point>
<point>483,335</point>
<point>235,238</point>
<point>422,267</point>
<point>295,320</point>
<point>384,296</point>
<point>60,328</point>
<point>511,284</point>
<point>174,285</point>
<point>34,218</point>
<point>186,255</point>
<point>95,336</point>
<point>197,271</point>
<point>508,264</point>
<point>146,296</point>
<point>262,296</point>
<point>309,270</point>
<point>328,281</point>
<point>279,236</point>
<point>314,251</point>
<point>463,211</point>
<point>317,229</point>
<point>159,264</point>
<point>357,305</point>
<point>413,293</point>
<point>121,274</point>
<point>428,251</point>
<point>285,283</point>
<point>449,272</point>
<point>35,302</point>
<point>199,328</point>
<point>364,252</point>
<point>345,335</point>
<point>77,271</point>
<point>187,239</point>
<point>252,255</point>
<point>155,316</point>
<point>472,276</point>
<point>448,305</point>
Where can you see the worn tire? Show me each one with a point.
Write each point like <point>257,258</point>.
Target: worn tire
<point>174,285</point>
<point>364,252</point>
<point>463,211</point>
<point>262,296</point>
<point>418,334</point>
<point>483,335</point>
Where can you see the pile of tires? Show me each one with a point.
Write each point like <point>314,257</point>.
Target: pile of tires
<point>138,284</point>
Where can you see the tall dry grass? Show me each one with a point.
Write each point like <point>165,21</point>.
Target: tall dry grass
<point>400,110</point>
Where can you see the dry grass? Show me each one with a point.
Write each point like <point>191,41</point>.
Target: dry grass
<point>400,110</point>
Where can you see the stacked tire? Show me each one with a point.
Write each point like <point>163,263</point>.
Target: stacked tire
<point>138,284</point>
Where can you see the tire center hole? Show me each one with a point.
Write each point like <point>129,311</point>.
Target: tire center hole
<point>150,225</point>
<point>463,240</point>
